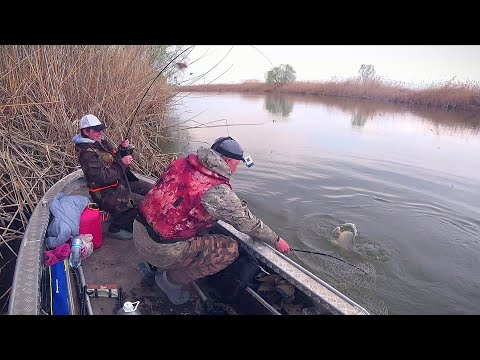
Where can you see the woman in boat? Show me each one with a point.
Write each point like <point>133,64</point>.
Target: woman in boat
<point>179,214</point>
<point>111,183</point>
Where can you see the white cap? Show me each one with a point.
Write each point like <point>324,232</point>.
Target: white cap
<point>91,121</point>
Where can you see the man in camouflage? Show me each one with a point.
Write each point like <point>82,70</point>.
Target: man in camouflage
<point>111,183</point>
<point>180,211</point>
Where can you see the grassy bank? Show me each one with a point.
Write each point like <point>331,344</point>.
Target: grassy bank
<point>448,96</point>
<point>44,91</point>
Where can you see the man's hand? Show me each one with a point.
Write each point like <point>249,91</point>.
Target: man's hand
<point>282,246</point>
<point>127,160</point>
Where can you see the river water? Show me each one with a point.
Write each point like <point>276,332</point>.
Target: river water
<point>407,177</point>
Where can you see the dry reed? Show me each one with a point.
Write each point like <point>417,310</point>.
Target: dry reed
<point>451,95</point>
<point>44,91</point>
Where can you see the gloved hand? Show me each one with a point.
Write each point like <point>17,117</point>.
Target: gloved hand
<point>282,246</point>
<point>125,148</point>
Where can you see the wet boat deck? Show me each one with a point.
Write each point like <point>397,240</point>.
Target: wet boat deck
<point>116,262</point>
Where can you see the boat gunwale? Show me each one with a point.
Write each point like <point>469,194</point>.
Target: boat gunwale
<point>324,295</point>
<point>25,298</point>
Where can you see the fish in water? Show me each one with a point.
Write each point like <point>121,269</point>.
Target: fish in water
<point>345,234</point>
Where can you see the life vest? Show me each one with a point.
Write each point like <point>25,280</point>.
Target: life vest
<point>173,207</point>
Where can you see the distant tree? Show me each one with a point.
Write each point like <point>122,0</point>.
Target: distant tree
<point>366,72</point>
<point>282,74</point>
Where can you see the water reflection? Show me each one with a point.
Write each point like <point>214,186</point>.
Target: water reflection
<point>358,119</point>
<point>278,105</point>
<point>361,112</point>
<point>458,123</point>
<point>175,140</point>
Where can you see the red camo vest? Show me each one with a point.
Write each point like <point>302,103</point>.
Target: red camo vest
<point>173,207</point>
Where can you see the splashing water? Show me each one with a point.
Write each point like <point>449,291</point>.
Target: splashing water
<point>340,263</point>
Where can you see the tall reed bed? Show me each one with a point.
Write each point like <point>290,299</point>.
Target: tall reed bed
<point>44,91</point>
<point>450,95</point>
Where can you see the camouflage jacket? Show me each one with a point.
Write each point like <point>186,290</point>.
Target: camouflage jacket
<point>103,166</point>
<point>222,203</point>
<point>173,207</point>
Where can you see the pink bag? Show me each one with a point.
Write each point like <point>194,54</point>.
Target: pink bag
<point>60,253</point>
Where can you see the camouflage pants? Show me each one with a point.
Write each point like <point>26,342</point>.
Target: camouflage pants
<point>205,255</point>
<point>124,219</point>
<point>187,260</point>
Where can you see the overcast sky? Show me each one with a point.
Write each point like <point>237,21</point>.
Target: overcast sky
<point>411,64</point>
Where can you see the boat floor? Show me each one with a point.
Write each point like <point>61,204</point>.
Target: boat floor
<point>116,262</point>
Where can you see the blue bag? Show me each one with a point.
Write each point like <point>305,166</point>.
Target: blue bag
<point>59,299</point>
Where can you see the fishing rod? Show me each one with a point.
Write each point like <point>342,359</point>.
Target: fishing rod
<point>130,148</point>
<point>263,55</point>
<point>330,255</point>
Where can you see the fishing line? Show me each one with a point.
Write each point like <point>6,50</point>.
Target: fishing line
<point>330,255</point>
<point>215,126</point>
<point>263,55</point>
<point>156,77</point>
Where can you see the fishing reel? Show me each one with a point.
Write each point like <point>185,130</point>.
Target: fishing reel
<point>124,151</point>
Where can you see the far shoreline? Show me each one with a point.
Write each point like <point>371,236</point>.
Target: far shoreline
<point>448,96</point>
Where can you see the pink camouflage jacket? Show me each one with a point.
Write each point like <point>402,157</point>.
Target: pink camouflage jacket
<point>192,194</point>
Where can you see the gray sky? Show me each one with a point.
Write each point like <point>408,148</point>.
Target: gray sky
<point>412,64</point>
